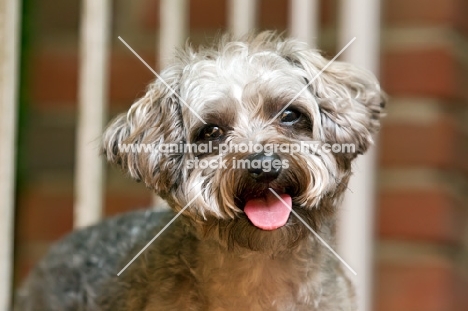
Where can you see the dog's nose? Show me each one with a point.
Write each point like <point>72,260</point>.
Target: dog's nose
<point>264,168</point>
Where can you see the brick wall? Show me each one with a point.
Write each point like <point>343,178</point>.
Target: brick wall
<point>422,227</point>
<point>422,216</point>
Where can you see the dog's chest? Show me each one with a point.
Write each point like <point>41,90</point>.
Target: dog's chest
<point>256,283</point>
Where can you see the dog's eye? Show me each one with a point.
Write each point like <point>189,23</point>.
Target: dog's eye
<point>211,132</point>
<point>290,116</point>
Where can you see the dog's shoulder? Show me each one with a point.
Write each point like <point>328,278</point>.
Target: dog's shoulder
<point>71,272</point>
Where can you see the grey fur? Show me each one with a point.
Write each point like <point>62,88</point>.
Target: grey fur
<point>212,257</point>
<point>71,275</point>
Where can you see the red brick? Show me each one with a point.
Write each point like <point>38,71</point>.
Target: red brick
<point>27,254</point>
<point>150,14</point>
<point>418,145</point>
<point>328,12</point>
<point>424,215</point>
<point>273,14</point>
<point>124,202</point>
<point>203,14</point>
<point>426,285</point>
<point>461,153</point>
<point>430,72</point>
<point>54,77</point>
<point>43,217</point>
<point>208,14</point>
<point>22,268</point>
<point>56,18</point>
<point>417,12</point>
<point>462,77</point>
<point>48,216</point>
<point>129,77</point>
<point>212,14</point>
<point>462,17</point>
<point>461,293</point>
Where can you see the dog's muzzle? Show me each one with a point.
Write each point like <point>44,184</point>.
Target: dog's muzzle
<point>259,173</point>
<point>269,210</point>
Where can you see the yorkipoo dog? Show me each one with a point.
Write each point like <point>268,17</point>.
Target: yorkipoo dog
<point>250,142</point>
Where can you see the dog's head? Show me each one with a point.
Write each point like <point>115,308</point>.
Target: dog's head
<point>246,131</point>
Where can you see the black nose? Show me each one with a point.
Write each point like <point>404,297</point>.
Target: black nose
<point>264,168</point>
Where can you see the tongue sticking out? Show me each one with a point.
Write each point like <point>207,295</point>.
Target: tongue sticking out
<point>269,212</point>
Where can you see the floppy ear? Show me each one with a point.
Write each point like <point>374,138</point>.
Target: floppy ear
<point>349,98</point>
<point>351,104</point>
<point>132,139</point>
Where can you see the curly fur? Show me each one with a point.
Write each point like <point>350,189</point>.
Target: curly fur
<point>213,258</point>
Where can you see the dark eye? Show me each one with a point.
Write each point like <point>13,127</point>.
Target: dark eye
<point>211,132</point>
<point>290,116</point>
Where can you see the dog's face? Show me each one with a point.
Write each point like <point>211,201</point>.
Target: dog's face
<point>231,101</point>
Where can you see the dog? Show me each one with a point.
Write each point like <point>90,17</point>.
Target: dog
<point>238,237</point>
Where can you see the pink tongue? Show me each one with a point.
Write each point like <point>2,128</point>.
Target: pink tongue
<point>269,212</point>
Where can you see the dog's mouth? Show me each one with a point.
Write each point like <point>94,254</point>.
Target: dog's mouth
<point>269,210</point>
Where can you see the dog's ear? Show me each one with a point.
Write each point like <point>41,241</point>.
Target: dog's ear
<point>132,139</point>
<point>351,105</point>
<point>349,98</point>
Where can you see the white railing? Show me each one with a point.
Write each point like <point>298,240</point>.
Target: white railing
<point>242,16</point>
<point>174,15</point>
<point>304,20</point>
<point>92,107</point>
<point>358,18</point>
<point>9,54</point>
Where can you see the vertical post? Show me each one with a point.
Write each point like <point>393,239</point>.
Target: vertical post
<point>173,29</point>
<point>304,20</point>
<point>360,18</point>
<point>9,51</point>
<point>93,85</point>
<point>242,16</point>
